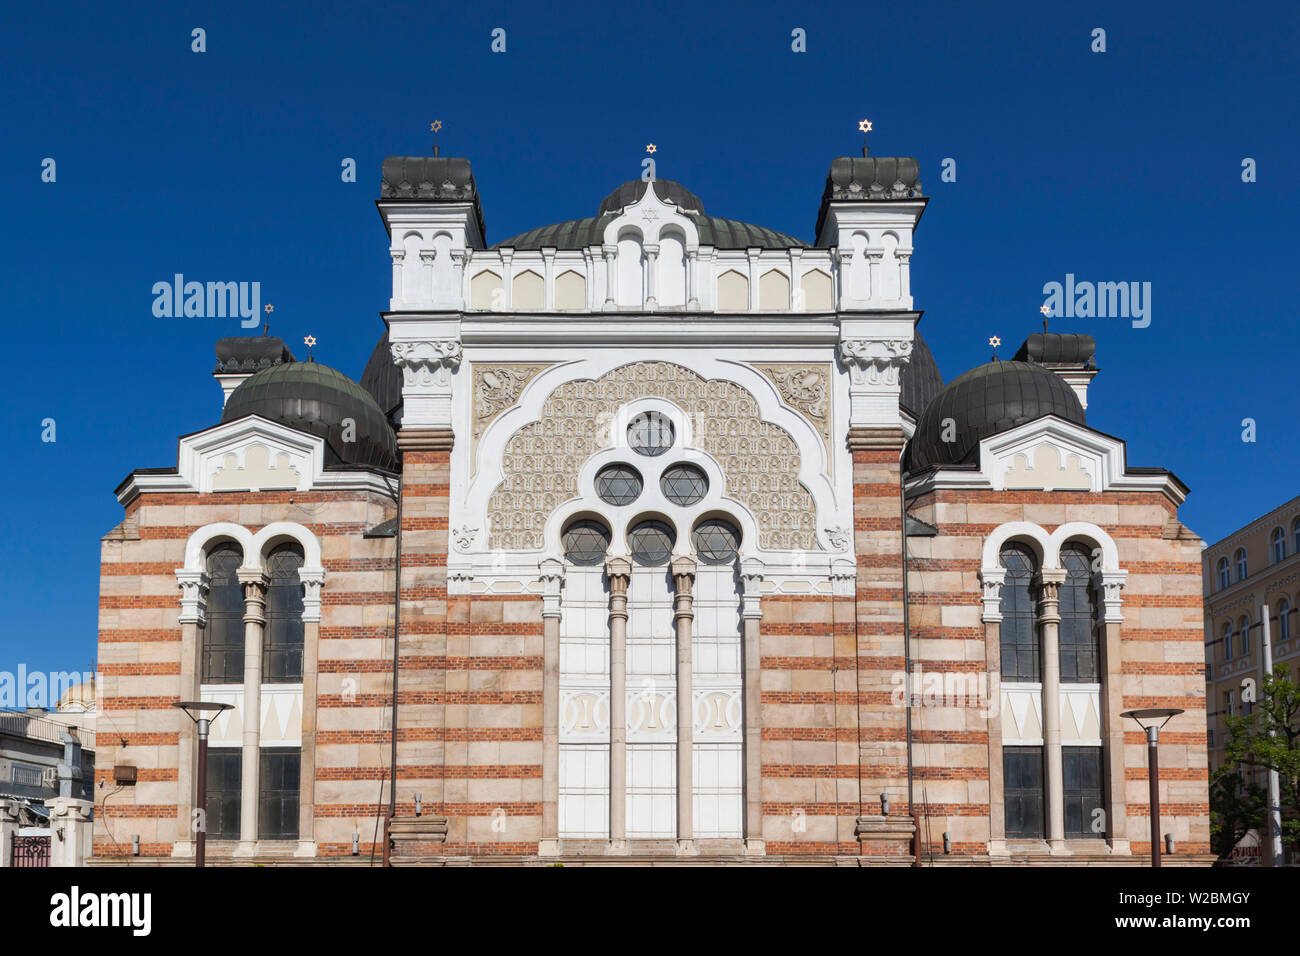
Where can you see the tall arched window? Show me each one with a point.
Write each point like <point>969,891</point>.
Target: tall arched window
<point>1240,560</point>
<point>282,642</point>
<point>1278,541</point>
<point>222,655</point>
<point>1018,636</point>
<point>1227,641</point>
<point>1243,640</point>
<point>1295,536</point>
<point>1225,576</point>
<point>1079,645</point>
<point>1283,619</point>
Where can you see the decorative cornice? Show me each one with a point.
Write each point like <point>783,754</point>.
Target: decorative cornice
<point>876,361</point>
<point>427,362</point>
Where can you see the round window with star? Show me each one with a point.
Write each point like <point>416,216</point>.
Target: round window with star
<point>586,542</point>
<point>716,541</point>
<point>618,484</point>
<point>651,433</point>
<point>651,543</point>
<point>684,484</point>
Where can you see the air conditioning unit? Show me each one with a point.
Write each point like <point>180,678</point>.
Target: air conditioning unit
<point>50,777</point>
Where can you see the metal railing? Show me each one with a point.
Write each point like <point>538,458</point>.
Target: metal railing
<point>19,724</point>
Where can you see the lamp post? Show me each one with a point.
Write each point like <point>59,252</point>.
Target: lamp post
<point>196,711</point>
<point>1153,765</point>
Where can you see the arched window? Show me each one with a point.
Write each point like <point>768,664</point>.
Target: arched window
<point>1225,576</point>
<point>1227,641</point>
<point>223,634</point>
<point>1283,620</point>
<point>1079,646</point>
<point>1243,631</point>
<point>1295,536</point>
<point>1019,638</point>
<point>1278,541</point>
<point>282,642</point>
<point>1240,560</point>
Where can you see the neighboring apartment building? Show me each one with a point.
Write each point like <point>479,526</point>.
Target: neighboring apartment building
<point>1257,565</point>
<point>662,508</point>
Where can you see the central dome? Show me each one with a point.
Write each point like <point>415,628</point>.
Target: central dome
<point>714,230</point>
<point>988,399</point>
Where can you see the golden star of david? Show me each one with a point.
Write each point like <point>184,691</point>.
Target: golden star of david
<point>864,126</point>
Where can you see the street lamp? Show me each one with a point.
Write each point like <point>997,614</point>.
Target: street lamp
<point>196,711</point>
<point>1153,766</point>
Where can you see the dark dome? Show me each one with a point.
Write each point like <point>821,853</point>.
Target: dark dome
<point>383,380</point>
<point>714,230</point>
<point>920,378</point>
<point>986,400</point>
<point>316,399</point>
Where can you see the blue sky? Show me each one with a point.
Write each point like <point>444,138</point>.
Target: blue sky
<point>1122,166</point>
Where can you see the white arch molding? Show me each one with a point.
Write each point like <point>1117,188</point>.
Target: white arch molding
<point>1047,548</point>
<point>255,546</point>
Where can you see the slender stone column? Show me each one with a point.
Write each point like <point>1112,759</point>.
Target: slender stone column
<point>307,771</point>
<point>683,569</point>
<point>1049,618</point>
<point>1111,584</point>
<point>193,617</point>
<point>611,277</point>
<point>692,279</point>
<point>651,268</point>
<point>399,293</point>
<point>619,572</point>
<point>552,575</point>
<point>751,614</point>
<point>254,583</point>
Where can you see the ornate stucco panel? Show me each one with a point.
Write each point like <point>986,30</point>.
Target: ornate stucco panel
<point>760,460</point>
<point>496,388</point>
<point>806,387</point>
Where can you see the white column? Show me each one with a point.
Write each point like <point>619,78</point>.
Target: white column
<point>507,279</point>
<point>692,272</point>
<point>427,257</point>
<point>751,577</point>
<point>619,573</point>
<point>796,281</point>
<point>683,570</point>
<point>905,276</point>
<point>611,277</point>
<point>1049,618</point>
<point>399,257</point>
<point>651,250</point>
<point>254,583</point>
<point>752,255</point>
<point>552,576</point>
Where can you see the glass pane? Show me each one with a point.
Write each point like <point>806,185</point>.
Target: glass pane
<point>1017,632</point>
<point>684,484</point>
<point>618,484</point>
<point>282,643</point>
<point>222,653</point>
<point>650,433</point>
<point>716,541</point>
<point>651,543</point>
<point>586,542</point>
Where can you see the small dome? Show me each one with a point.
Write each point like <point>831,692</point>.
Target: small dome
<point>318,400</point>
<point>986,400</point>
<point>383,380</point>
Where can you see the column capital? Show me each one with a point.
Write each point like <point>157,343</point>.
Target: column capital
<point>991,581</point>
<point>843,577</point>
<point>683,566</point>
<point>874,351</point>
<point>1111,584</point>
<point>194,595</point>
<point>620,568</point>
<point>551,573</point>
<point>312,582</point>
<point>254,583</point>
<point>428,351</point>
<point>751,580</point>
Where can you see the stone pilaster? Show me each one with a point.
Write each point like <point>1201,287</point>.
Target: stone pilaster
<point>619,573</point>
<point>1049,621</point>
<point>254,583</point>
<point>552,578</point>
<point>683,571</point>
<point>751,616</point>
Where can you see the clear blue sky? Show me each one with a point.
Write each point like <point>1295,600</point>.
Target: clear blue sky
<point>225,166</point>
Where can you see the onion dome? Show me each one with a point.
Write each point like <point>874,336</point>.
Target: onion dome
<point>714,230</point>
<point>318,400</point>
<point>987,400</point>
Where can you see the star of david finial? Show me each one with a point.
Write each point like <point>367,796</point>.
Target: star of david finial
<point>864,127</point>
<point>1047,311</point>
<point>434,127</point>
<point>266,326</point>
<point>651,147</point>
<point>309,341</point>
<point>995,341</point>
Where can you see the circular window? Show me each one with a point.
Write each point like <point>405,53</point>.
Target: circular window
<point>684,484</point>
<point>650,433</point>
<point>716,541</point>
<point>586,542</point>
<point>651,543</point>
<point>618,484</point>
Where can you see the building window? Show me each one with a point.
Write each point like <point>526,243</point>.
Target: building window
<point>651,543</point>
<point>1240,560</point>
<point>618,484</point>
<point>1225,576</point>
<point>1230,703</point>
<point>684,484</point>
<point>25,774</point>
<point>1079,647</point>
<point>282,643</point>
<point>1209,737</point>
<point>586,542</point>
<point>1227,642</point>
<point>1017,632</point>
<point>1295,536</point>
<point>1022,786</point>
<point>277,798</point>
<point>223,632</point>
<point>224,774</point>
<point>1283,620</point>
<point>651,433</point>
<point>716,541</point>
<point>1243,631</point>
<point>1278,541</point>
<point>1081,779</point>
